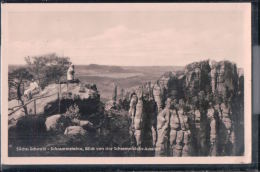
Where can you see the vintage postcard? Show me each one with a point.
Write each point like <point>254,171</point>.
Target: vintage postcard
<point>126,83</point>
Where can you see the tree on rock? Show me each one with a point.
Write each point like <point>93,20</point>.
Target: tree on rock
<point>47,68</point>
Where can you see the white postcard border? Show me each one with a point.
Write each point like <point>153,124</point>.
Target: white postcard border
<point>6,8</point>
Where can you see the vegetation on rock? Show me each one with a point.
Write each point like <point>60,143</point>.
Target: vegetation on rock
<point>47,69</point>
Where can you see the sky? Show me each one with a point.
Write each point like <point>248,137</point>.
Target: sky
<point>128,35</point>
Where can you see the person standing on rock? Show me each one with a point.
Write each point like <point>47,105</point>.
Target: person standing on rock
<point>70,74</point>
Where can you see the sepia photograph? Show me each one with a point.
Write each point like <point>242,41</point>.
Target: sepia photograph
<point>149,83</point>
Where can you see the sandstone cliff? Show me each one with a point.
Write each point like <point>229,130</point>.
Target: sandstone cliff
<point>197,112</point>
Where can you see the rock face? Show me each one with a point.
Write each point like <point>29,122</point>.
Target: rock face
<point>194,113</point>
<point>84,95</point>
<point>59,126</point>
<point>142,112</point>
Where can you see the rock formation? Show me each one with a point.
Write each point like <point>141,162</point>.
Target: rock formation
<point>87,100</point>
<point>52,125</point>
<point>194,113</point>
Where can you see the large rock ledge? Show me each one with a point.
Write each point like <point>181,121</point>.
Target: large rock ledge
<point>85,96</point>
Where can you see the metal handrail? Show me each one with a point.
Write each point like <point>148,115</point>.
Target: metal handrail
<point>36,98</point>
<point>9,79</point>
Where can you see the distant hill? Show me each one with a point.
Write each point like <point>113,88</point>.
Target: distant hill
<point>95,68</point>
<point>124,76</point>
<point>103,68</point>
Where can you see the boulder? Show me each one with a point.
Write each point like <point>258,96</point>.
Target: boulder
<point>52,122</point>
<point>75,131</point>
<point>86,123</point>
<point>83,123</point>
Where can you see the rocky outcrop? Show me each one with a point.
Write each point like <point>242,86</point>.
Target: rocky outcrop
<point>195,112</point>
<point>143,113</point>
<point>197,78</point>
<point>163,126</point>
<point>57,98</point>
<point>67,119</point>
<point>138,119</point>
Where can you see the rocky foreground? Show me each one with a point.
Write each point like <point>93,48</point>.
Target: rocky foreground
<point>195,112</point>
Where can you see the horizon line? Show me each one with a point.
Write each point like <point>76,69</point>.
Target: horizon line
<point>112,65</point>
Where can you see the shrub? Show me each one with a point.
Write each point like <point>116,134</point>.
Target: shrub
<point>72,112</point>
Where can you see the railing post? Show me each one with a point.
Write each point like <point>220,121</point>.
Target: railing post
<point>25,106</point>
<point>67,86</point>
<point>59,94</point>
<point>34,106</point>
<point>59,87</point>
<point>58,102</point>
